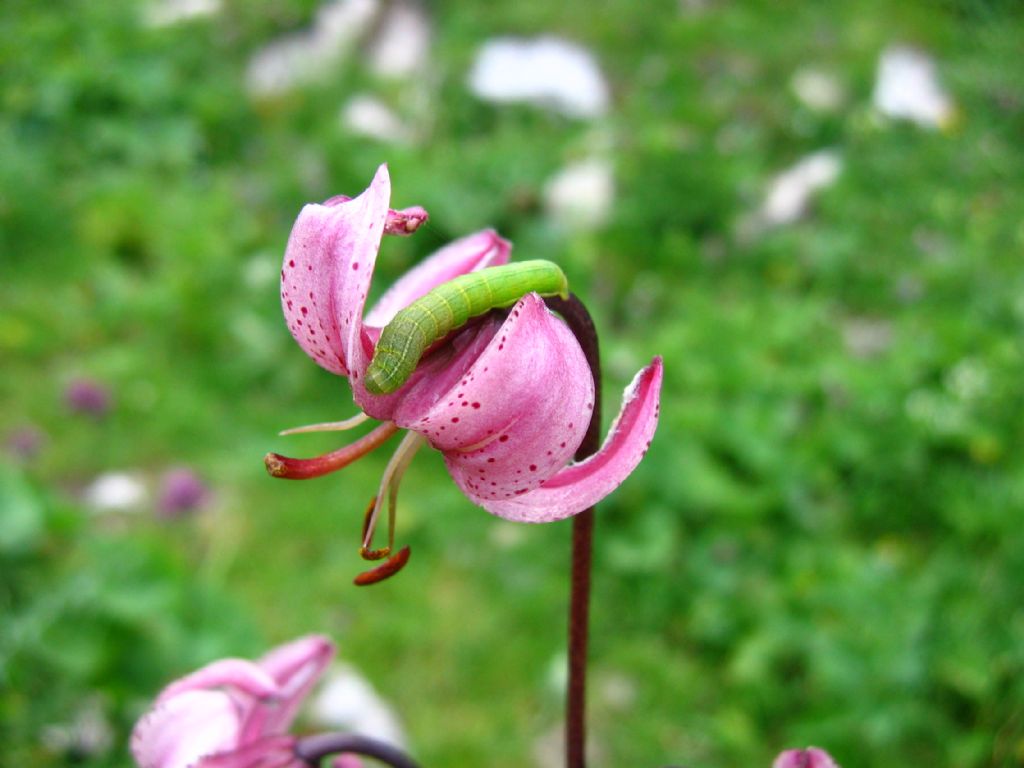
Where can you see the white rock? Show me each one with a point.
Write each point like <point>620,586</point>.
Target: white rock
<point>348,702</point>
<point>165,13</point>
<point>546,71</point>
<point>790,192</point>
<point>368,116</point>
<point>866,337</point>
<point>618,691</point>
<point>401,48</point>
<point>115,492</point>
<point>907,87</point>
<point>580,196</point>
<point>88,733</point>
<point>305,56</point>
<point>818,90</point>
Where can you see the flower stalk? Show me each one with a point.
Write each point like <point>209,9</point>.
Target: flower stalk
<point>581,324</point>
<point>312,749</point>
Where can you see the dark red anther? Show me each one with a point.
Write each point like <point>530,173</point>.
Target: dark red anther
<point>385,570</point>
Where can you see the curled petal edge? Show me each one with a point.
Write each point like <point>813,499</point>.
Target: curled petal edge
<point>812,757</point>
<point>295,666</point>
<point>240,674</point>
<point>582,485</point>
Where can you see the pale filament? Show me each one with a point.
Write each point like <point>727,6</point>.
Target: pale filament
<point>396,467</point>
<point>329,426</point>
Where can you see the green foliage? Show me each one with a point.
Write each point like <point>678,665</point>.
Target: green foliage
<point>824,544</point>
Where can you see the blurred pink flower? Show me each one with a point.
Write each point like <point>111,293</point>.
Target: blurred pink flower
<point>506,399</point>
<point>812,757</point>
<point>87,396</point>
<point>181,491</point>
<point>25,442</point>
<point>232,713</point>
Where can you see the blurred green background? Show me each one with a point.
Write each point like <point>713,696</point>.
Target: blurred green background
<point>824,544</point>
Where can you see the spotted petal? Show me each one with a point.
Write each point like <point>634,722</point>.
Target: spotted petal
<point>326,273</point>
<point>582,485</point>
<point>519,412</point>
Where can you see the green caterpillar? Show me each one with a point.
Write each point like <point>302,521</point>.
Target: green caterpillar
<point>432,317</point>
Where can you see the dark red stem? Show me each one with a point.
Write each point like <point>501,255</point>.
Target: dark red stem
<point>312,749</point>
<point>582,325</point>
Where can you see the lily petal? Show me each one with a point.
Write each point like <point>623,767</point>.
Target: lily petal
<point>582,485</point>
<point>239,674</point>
<point>209,718</point>
<point>267,752</point>
<point>295,667</point>
<point>517,415</point>
<point>468,254</point>
<point>812,757</point>
<point>326,273</point>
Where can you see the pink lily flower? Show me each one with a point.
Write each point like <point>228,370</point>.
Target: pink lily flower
<point>232,713</point>
<point>812,757</point>
<point>506,399</point>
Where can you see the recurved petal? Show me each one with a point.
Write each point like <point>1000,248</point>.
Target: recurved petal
<point>180,730</point>
<point>268,752</point>
<point>468,254</point>
<point>582,485</point>
<point>295,667</point>
<point>327,268</point>
<point>517,414</point>
<point>812,757</point>
<point>238,674</point>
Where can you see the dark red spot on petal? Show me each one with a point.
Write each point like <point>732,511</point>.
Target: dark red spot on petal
<point>503,439</point>
<point>533,467</point>
<point>476,405</point>
<point>291,262</point>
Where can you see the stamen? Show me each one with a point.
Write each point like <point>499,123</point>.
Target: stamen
<point>385,570</point>
<point>302,469</point>
<point>389,482</point>
<point>401,222</point>
<point>405,221</point>
<point>371,554</point>
<point>328,426</point>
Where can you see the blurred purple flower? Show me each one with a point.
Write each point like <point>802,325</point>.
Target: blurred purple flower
<point>181,491</point>
<point>87,396</point>
<point>232,713</point>
<point>812,757</point>
<point>25,442</point>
